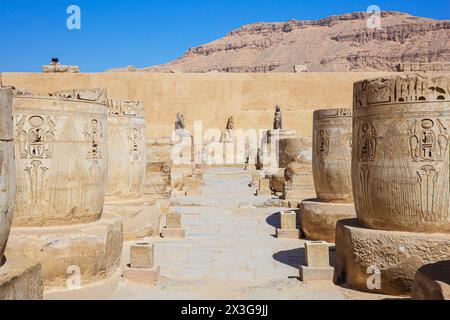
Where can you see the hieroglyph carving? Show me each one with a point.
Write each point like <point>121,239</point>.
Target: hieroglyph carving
<point>94,134</point>
<point>401,89</point>
<point>428,141</point>
<point>135,140</point>
<point>125,108</point>
<point>36,135</point>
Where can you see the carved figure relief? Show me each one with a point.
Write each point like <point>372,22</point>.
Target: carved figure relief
<point>428,141</point>
<point>367,140</point>
<point>427,177</point>
<point>323,141</point>
<point>134,140</point>
<point>35,135</point>
<point>36,173</point>
<point>94,135</point>
<point>401,89</point>
<point>364,176</point>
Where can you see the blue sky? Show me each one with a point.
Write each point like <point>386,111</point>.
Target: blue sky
<point>117,33</point>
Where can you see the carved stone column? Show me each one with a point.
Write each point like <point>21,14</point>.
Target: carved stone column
<point>332,138</point>
<point>20,278</point>
<point>61,150</point>
<point>400,174</point>
<point>295,153</point>
<point>127,168</point>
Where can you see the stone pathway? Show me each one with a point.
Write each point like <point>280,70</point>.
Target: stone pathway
<point>230,251</point>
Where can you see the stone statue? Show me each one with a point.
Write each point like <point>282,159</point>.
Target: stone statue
<point>230,123</point>
<point>56,67</point>
<point>179,124</point>
<point>278,121</point>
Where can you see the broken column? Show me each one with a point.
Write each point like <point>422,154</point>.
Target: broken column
<point>20,278</point>
<point>127,168</point>
<point>400,174</point>
<point>61,150</point>
<point>173,227</point>
<point>299,183</point>
<point>288,225</point>
<point>332,136</point>
<point>142,268</point>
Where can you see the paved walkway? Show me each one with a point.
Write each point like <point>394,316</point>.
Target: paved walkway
<point>229,251</point>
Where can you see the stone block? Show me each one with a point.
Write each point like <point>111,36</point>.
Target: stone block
<point>432,282</point>
<point>173,233</point>
<point>142,255</point>
<point>95,248</point>
<point>263,193</point>
<point>149,277</point>
<point>21,278</point>
<point>288,220</point>
<point>398,256</point>
<point>264,185</point>
<point>173,220</point>
<point>319,219</point>
<point>316,273</point>
<point>255,179</point>
<point>317,254</point>
<point>288,234</point>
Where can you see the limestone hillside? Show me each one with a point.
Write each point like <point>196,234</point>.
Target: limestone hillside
<point>337,43</point>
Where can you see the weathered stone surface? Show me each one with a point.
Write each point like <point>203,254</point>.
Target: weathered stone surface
<point>317,254</point>
<point>126,150</point>
<point>21,278</point>
<point>316,273</point>
<point>148,277</point>
<point>401,153</point>
<point>61,159</point>
<point>332,155</point>
<point>288,220</point>
<point>95,248</point>
<point>140,219</point>
<point>142,255</point>
<point>264,184</point>
<point>288,234</point>
<point>173,233</point>
<point>299,182</point>
<point>173,220</point>
<point>319,218</point>
<point>432,282</point>
<point>56,67</point>
<point>7,169</point>
<point>397,255</point>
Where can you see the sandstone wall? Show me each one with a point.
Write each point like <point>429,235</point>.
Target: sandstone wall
<point>212,98</point>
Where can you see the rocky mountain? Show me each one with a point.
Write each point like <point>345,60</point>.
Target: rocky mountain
<point>337,43</point>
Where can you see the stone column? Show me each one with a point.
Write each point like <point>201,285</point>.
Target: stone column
<point>61,150</point>
<point>295,153</point>
<point>332,138</point>
<point>20,278</point>
<point>400,174</point>
<point>127,168</point>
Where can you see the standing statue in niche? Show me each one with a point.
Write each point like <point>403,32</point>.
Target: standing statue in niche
<point>278,120</point>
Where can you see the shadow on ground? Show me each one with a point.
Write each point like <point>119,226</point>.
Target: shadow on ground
<point>293,258</point>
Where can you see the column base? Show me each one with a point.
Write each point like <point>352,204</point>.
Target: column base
<point>288,234</point>
<point>140,219</point>
<point>93,250</point>
<point>173,233</point>
<point>20,278</point>
<point>384,262</point>
<point>149,277</point>
<point>432,282</point>
<point>318,219</point>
